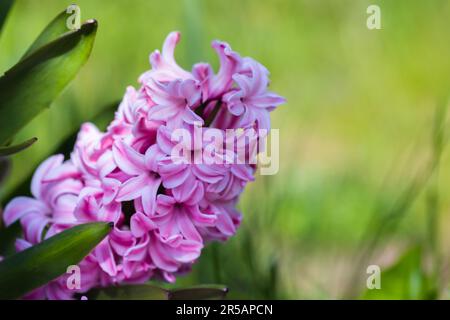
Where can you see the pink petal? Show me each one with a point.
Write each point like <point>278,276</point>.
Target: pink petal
<point>42,171</point>
<point>164,204</point>
<point>229,62</point>
<point>105,257</point>
<point>22,206</point>
<point>243,172</point>
<point>225,225</point>
<point>201,219</point>
<point>121,240</point>
<point>140,224</point>
<point>111,189</point>
<point>34,225</point>
<point>22,244</point>
<point>159,256</point>
<point>152,156</point>
<point>64,171</point>
<point>168,51</point>
<point>139,251</point>
<point>187,228</point>
<point>174,180</point>
<point>162,112</point>
<point>133,188</point>
<point>164,140</point>
<point>127,159</point>
<point>149,195</point>
<point>87,209</point>
<point>191,117</point>
<point>187,252</point>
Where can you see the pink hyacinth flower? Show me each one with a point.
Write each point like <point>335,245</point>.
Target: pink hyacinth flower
<point>251,101</point>
<point>175,102</point>
<point>143,171</point>
<point>164,66</point>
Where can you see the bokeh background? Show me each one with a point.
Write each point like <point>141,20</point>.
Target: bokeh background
<point>364,174</point>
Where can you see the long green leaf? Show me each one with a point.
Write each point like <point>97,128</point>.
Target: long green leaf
<point>32,85</point>
<point>10,150</point>
<point>5,6</point>
<point>56,28</point>
<point>204,292</point>
<point>131,292</point>
<point>152,292</point>
<point>36,266</point>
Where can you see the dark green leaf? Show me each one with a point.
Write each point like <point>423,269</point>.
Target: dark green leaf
<point>152,292</point>
<point>10,150</point>
<point>5,168</point>
<point>5,6</point>
<point>204,292</point>
<point>8,238</point>
<point>53,31</point>
<point>131,292</point>
<point>32,85</point>
<point>36,266</point>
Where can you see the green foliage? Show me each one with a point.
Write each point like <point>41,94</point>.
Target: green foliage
<point>36,266</point>
<point>406,279</point>
<point>153,292</point>
<point>5,167</point>
<point>5,6</point>
<point>8,238</point>
<point>199,293</point>
<point>130,292</point>
<point>31,85</point>
<point>354,112</point>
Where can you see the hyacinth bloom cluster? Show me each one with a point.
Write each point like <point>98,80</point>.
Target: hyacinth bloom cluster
<point>164,211</point>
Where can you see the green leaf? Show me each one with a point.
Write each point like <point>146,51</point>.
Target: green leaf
<point>131,292</point>
<point>5,6</point>
<point>36,266</point>
<point>32,85</point>
<point>404,280</point>
<point>152,292</point>
<point>204,292</point>
<point>5,168</point>
<point>8,238</point>
<point>56,28</point>
<point>10,150</point>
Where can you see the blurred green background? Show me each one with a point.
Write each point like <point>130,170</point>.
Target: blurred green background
<point>364,175</point>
